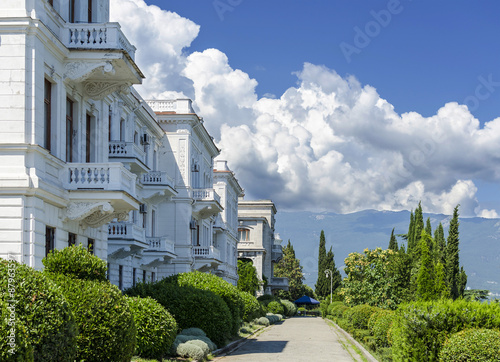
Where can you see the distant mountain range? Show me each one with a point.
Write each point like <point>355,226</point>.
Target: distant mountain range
<point>346,233</point>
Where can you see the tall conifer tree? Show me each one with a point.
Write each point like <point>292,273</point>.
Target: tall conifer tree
<point>452,257</point>
<point>393,243</point>
<point>322,288</point>
<point>410,236</point>
<point>330,264</point>
<point>428,227</point>
<point>440,244</point>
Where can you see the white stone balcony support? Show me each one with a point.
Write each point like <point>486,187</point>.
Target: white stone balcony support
<point>156,185</point>
<point>91,36</point>
<point>161,244</point>
<point>276,253</point>
<point>156,178</point>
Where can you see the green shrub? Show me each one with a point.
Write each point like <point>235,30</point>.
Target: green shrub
<point>290,308</point>
<point>14,345</point>
<point>420,328</point>
<point>265,299</point>
<point>273,318</point>
<point>472,345</point>
<point>338,310</point>
<point>331,306</point>
<point>76,261</point>
<point>252,308</point>
<point>275,308</point>
<point>183,338</point>
<point>42,309</point>
<point>228,292</point>
<point>191,307</point>
<point>204,347</point>
<point>193,332</point>
<point>379,325</point>
<point>156,328</point>
<point>189,350</point>
<point>359,315</point>
<point>263,321</point>
<point>106,324</point>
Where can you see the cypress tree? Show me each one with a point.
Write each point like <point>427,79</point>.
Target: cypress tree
<point>428,227</point>
<point>322,288</point>
<point>440,244</point>
<point>425,276</point>
<point>452,257</point>
<point>393,243</point>
<point>330,264</point>
<point>411,237</point>
<point>419,225</point>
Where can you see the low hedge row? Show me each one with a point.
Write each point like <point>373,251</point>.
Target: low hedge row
<point>252,308</point>
<point>472,345</point>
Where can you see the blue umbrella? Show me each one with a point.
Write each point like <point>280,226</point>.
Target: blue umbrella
<point>306,300</point>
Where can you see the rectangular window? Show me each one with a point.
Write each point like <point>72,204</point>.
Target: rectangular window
<point>153,277</point>
<point>153,222</point>
<point>47,114</point>
<point>122,129</point>
<point>72,10</point>
<point>108,272</point>
<point>109,123</point>
<point>88,136</point>
<point>244,234</point>
<point>120,277</point>
<point>90,245</point>
<point>69,129</point>
<point>50,234</point>
<point>71,239</point>
<point>134,271</point>
<point>89,16</point>
<point>144,276</point>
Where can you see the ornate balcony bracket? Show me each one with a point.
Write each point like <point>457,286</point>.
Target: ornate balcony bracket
<point>153,261</point>
<point>80,70</point>
<point>93,214</point>
<point>99,90</point>
<point>125,252</point>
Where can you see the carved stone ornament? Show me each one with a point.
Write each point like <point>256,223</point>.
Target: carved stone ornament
<point>80,71</point>
<point>99,90</point>
<point>93,214</point>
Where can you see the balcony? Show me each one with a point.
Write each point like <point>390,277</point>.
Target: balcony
<point>278,283</point>
<point>276,253</point>
<point>206,258</point>
<point>101,57</point>
<point>206,203</point>
<point>125,239</point>
<point>156,184</point>
<point>99,192</point>
<point>160,250</point>
<point>129,154</point>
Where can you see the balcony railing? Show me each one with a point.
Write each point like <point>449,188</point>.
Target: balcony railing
<point>279,282</point>
<point>122,149</point>
<point>126,231</point>
<point>206,195</point>
<point>160,244</point>
<point>206,252</point>
<point>163,105</point>
<point>97,36</point>
<point>156,178</point>
<point>99,176</point>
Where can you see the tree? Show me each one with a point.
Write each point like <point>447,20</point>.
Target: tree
<point>336,280</point>
<point>428,227</point>
<point>289,267</point>
<point>248,280</point>
<point>425,277</point>
<point>440,244</point>
<point>393,242</point>
<point>453,277</point>
<point>322,286</point>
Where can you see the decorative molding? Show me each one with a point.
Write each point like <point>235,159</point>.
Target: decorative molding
<point>93,214</point>
<point>99,90</point>
<point>182,163</point>
<point>79,71</point>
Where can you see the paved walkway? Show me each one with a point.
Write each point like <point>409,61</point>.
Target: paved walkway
<point>298,339</point>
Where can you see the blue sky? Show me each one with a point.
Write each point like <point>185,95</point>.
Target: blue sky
<point>254,67</point>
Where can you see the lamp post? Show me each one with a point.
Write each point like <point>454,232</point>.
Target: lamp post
<point>328,271</point>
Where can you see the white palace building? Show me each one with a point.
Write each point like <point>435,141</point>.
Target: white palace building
<point>85,160</point>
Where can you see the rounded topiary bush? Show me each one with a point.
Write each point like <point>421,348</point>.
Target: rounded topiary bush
<point>156,328</point>
<point>379,324</point>
<point>275,308</point>
<point>359,315</point>
<point>252,308</point>
<point>42,309</point>
<point>191,307</point>
<point>228,292</point>
<point>106,325</point>
<point>193,332</point>
<point>14,345</point>
<point>183,338</point>
<point>189,350</point>
<point>472,345</point>
<point>290,308</point>
<point>331,306</point>
<point>263,321</point>
<point>338,310</point>
<point>77,262</point>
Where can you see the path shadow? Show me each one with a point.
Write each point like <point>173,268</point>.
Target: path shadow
<point>255,346</point>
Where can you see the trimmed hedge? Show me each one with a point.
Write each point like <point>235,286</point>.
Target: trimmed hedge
<point>191,307</point>
<point>338,310</point>
<point>290,308</point>
<point>472,345</point>
<point>156,328</point>
<point>14,345</point>
<point>331,306</point>
<point>252,308</point>
<point>42,309</point>
<point>275,308</point>
<point>420,328</point>
<point>228,292</point>
<point>263,321</point>
<point>379,324</point>
<point>76,261</point>
<point>359,315</point>
<point>183,338</point>
<point>106,325</point>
